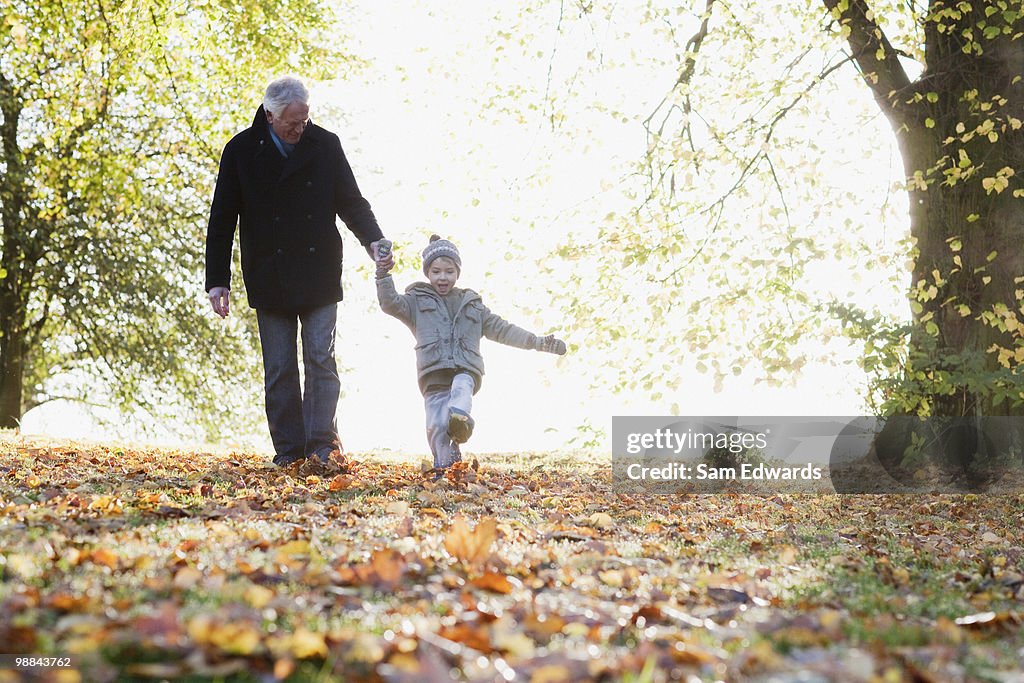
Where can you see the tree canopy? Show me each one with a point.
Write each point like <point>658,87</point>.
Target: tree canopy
<point>754,243</point>
<point>113,117</point>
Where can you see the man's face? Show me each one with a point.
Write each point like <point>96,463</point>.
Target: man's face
<point>442,274</point>
<point>290,124</point>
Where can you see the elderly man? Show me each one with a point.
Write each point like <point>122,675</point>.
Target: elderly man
<point>283,180</point>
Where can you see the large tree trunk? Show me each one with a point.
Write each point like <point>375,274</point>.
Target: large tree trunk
<point>13,296</point>
<point>956,134</point>
<point>12,374</point>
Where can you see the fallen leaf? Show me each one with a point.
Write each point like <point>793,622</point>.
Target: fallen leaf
<point>472,546</point>
<point>551,673</point>
<point>494,582</point>
<point>305,644</point>
<point>234,637</point>
<point>388,566</point>
<point>398,507</point>
<point>283,668</point>
<point>340,482</point>
<point>258,597</point>
<point>788,554</point>
<point>187,577</point>
<point>293,548</point>
<point>475,636</point>
<point>105,557</point>
<point>991,620</point>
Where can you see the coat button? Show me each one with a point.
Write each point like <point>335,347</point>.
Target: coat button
<point>309,183</point>
<point>279,252</point>
<point>277,219</point>
<point>309,216</point>
<point>312,250</point>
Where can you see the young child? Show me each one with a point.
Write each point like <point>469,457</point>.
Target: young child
<point>448,323</point>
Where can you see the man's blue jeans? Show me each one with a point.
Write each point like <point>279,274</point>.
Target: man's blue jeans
<point>302,422</point>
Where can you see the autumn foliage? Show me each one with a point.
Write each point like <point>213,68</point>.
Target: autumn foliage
<point>160,564</point>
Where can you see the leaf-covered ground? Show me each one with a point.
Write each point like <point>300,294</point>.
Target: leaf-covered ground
<point>143,564</point>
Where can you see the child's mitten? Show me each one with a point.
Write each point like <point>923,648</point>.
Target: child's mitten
<point>549,344</point>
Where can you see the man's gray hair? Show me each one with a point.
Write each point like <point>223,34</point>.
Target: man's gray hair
<point>283,91</point>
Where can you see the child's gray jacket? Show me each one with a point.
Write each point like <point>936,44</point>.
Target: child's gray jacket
<point>443,342</point>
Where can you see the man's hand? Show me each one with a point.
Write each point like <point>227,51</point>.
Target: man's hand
<point>388,262</point>
<point>549,344</point>
<point>219,300</point>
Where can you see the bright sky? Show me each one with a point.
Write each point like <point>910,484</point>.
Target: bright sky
<point>430,157</point>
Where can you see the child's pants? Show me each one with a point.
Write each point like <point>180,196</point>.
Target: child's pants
<point>437,404</point>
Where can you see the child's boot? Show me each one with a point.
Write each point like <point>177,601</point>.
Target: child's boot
<point>460,425</point>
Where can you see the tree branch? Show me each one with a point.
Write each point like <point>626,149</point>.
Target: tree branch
<point>177,99</point>
<point>875,56</point>
<point>689,64</point>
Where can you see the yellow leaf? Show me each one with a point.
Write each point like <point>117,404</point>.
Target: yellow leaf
<point>18,32</point>
<point>612,577</point>
<point>472,546</point>
<point>239,638</point>
<point>305,644</point>
<point>258,597</point>
<point>200,627</point>
<point>299,547</point>
<point>551,673</point>
<point>107,504</point>
<point>601,520</point>
<point>365,649</point>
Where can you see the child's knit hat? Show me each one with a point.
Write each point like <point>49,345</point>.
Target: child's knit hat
<point>439,247</point>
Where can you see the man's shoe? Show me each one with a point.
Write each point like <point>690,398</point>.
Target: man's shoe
<point>285,460</point>
<point>460,425</point>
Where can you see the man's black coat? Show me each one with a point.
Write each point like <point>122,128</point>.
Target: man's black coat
<point>285,209</point>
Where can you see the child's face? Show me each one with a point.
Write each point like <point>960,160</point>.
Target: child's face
<point>442,274</point>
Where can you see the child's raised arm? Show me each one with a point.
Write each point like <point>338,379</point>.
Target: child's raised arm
<point>391,302</point>
<point>502,331</point>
